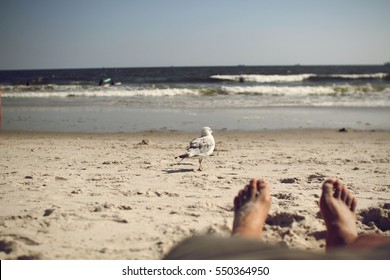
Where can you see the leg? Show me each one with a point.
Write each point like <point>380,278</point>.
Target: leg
<point>200,164</point>
<point>251,207</point>
<point>338,208</point>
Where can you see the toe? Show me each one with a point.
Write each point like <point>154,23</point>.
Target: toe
<point>241,196</point>
<point>327,187</point>
<point>353,204</point>
<point>337,189</point>
<point>251,191</point>
<point>348,199</point>
<point>261,183</point>
<point>343,193</point>
<point>237,203</point>
<point>253,183</point>
<point>261,186</point>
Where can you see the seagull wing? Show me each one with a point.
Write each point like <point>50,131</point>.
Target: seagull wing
<point>202,146</point>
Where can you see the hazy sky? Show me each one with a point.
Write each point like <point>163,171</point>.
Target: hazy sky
<point>37,34</point>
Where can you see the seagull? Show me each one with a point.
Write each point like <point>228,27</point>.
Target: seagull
<point>200,147</point>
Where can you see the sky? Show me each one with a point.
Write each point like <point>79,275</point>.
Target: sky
<point>51,34</point>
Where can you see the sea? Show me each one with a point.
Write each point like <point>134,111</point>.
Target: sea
<point>248,98</point>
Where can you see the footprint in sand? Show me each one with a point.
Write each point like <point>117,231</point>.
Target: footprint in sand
<point>378,216</point>
<point>283,219</point>
<point>289,180</point>
<point>9,244</point>
<point>316,178</point>
<point>285,196</point>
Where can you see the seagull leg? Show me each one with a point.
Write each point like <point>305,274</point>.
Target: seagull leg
<point>200,164</point>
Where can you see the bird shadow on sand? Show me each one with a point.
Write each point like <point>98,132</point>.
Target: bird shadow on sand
<point>182,170</point>
<point>179,170</point>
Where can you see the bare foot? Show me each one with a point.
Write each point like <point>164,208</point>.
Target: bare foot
<point>338,207</point>
<point>251,207</point>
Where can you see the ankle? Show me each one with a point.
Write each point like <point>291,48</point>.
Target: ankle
<point>247,232</point>
<point>339,237</point>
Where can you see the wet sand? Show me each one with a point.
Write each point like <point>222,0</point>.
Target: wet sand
<point>124,196</point>
<point>108,119</point>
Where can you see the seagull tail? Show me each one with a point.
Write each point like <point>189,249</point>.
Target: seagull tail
<point>183,156</point>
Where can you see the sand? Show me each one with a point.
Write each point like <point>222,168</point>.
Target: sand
<point>124,196</point>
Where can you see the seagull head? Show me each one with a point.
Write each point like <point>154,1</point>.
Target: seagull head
<point>206,131</point>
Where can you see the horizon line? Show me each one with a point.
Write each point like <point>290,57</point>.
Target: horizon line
<point>198,66</point>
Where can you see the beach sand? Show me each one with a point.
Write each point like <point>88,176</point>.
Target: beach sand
<point>124,196</point>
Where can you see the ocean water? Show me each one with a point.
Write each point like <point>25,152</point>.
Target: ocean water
<point>186,98</point>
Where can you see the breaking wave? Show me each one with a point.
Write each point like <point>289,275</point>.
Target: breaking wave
<point>299,78</point>
<point>263,78</point>
<point>204,96</point>
<point>56,91</point>
<point>305,90</point>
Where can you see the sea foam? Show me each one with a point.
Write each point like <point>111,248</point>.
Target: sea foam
<point>263,78</point>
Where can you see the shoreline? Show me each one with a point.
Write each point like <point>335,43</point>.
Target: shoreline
<point>115,196</point>
<point>116,120</point>
<point>167,135</point>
